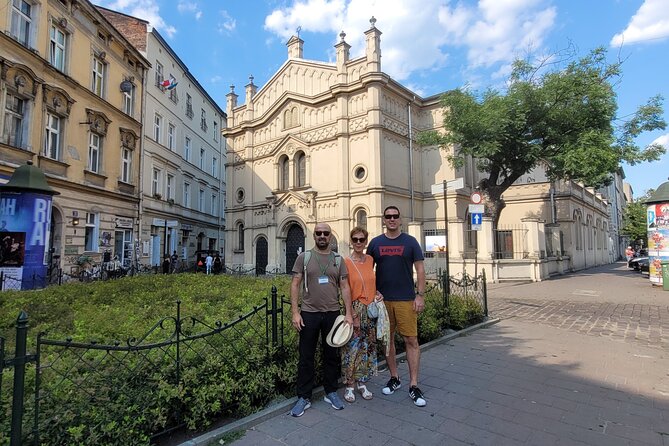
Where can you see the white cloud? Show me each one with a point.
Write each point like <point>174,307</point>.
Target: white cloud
<point>144,9</point>
<point>417,34</point>
<point>216,79</point>
<point>227,24</point>
<point>189,7</point>
<point>650,22</point>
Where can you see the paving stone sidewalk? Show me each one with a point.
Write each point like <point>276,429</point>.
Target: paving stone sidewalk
<point>514,383</point>
<point>609,301</point>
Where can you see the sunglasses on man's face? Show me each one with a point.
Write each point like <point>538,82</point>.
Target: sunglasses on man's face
<point>358,239</point>
<point>391,216</point>
<point>320,233</point>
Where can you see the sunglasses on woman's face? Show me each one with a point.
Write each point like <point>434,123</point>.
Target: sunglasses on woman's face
<point>358,239</point>
<point>320,233</point>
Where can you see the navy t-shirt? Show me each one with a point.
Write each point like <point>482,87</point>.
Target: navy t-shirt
<point>394,260</point>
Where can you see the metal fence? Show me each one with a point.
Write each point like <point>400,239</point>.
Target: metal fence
<point>64,375</point>
<point>511,243</point>
<point>554,241</point>
<point>471,291</point>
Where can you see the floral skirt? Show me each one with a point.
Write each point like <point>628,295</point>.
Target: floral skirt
<point>359,359</point>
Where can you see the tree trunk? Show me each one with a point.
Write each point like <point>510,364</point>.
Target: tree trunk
<point>494,204</point>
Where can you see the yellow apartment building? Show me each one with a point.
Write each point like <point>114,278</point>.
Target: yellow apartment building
<point>70,101</point>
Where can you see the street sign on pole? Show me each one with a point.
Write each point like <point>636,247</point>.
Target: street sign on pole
<point>476,209</point>
<point>476,220</point>
<point>455,184</point>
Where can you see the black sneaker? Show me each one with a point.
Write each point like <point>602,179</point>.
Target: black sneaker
<point>392,385</point>
<point>417,396</point>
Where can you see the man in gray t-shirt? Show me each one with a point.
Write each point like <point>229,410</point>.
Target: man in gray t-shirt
<point>326,274</point>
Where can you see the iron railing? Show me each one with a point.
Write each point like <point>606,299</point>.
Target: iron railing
<point>511,243</point>
<point>64,375</point>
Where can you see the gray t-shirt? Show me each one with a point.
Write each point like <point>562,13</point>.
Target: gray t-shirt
<point>321,296</point>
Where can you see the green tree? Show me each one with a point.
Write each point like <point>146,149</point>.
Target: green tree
<point>561,117</point>
<point>634,220</point>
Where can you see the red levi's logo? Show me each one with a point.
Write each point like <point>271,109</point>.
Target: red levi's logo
<point>391,250</point>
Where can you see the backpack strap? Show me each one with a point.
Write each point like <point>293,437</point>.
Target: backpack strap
<point>307,257</point>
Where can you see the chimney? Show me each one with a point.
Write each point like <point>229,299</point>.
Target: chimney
<point>373,51</point>
<point>295,47</point>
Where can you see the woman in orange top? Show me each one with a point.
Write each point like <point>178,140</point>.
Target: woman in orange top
<point>359,359</point>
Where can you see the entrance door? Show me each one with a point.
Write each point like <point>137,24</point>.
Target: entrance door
<point>261,256</point>
<point>294,246</point>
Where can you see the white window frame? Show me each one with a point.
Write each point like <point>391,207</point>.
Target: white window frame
<point>156,181</point>
<point>187,149</point>
<point>159,75</point>
<point>52,139</point>
<point>214,166</point>
<point>22,21</point>
<point>57,48</point>
<point>203,156</point>
<point>126,165</point>
<point>189,106</point>
<point>15,121</point>
<point>171,136</point>
<point>214,205</point>
<point>186,194</point>
<point>98,76</point>
<point>169,185</point>
<point>94,152</point>
<point>91,234</point>
<point>157,127</point>
<point>215,131</point>
<point>129,101</point>
<point>200,201</point>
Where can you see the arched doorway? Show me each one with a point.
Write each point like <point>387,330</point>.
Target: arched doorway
<point>294,245</point>
<point>261,256</point>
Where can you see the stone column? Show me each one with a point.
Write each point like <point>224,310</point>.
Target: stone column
<point>486,240</point>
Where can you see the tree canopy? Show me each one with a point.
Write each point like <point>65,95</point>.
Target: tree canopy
<point>634,220</point>
<point>563,119</point>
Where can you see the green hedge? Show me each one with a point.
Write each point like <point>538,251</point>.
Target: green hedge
<point>115,398</point>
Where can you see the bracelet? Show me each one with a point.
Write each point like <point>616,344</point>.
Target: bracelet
<point>420,293</point>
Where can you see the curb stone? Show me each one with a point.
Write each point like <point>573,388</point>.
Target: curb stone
<point>284,406</point>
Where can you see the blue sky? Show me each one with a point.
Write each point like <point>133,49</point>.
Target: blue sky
<point>428,45</point>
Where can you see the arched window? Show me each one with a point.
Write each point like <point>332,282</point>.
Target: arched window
<point>240,234</point>
<point>284,168</point>
<point>301,169</point>
<point>361,218</point>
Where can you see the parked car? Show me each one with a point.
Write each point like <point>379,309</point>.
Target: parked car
<point>639,263</point>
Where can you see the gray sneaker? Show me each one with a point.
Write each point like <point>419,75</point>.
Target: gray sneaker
<point>300,406</point>
<point>333,399</point>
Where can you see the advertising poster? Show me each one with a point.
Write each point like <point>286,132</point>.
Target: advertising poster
<point>435,243</point>
<point>25,221</point>
<point>658,239</point>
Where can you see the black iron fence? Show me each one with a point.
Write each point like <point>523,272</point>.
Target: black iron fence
<point>471,294</point>
<point>63,393</point>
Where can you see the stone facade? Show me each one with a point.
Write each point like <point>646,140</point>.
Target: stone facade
<point>70,101</point>
<point>334,143</point>
<point>183,188</point>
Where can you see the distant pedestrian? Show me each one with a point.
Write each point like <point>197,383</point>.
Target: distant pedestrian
<point>396,254</point>
<point>218,264</point>
<point>319,279</point>
<point>166,264</point>
<point>175,260</point>
<point>629,253</point>
<point>209,261</point>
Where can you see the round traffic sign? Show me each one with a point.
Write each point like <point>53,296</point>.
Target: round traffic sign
<point>476,197</point>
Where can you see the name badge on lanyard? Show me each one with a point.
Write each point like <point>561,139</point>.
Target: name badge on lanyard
<point>322,280</point>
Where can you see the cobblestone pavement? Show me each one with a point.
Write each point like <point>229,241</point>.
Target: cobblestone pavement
<point>608,301</point>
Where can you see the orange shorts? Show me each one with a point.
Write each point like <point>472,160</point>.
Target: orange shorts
<point>403,318</point>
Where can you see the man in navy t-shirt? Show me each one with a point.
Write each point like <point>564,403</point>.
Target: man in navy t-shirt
<point>396,254</point>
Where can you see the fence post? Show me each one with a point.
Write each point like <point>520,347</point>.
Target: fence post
<point>2,280</point>
<point>275,322</point>
<point>485,294</point>
<point>178,334</point>
<point>20,360</point>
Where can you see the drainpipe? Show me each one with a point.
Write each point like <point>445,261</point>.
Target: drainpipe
<point>411,159</point>
<point>140,178</point>
<point>553,209</point>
